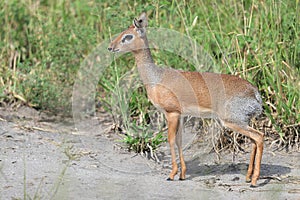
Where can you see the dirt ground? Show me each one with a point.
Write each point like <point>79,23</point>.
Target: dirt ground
<point>48,158</point>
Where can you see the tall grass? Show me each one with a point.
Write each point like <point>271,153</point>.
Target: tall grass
<point>42,44</point>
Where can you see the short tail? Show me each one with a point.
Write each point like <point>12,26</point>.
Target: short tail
<point>259,101</point>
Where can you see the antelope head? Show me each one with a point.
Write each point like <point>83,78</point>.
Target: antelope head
<point>132,39</point>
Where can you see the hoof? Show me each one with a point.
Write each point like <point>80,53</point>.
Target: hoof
<point>170,179</point>
<point>248,180</point>
<point>181,179</point>
<point>253,186</point>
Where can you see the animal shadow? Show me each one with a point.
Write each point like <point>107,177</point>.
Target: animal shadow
<point>196,169</point>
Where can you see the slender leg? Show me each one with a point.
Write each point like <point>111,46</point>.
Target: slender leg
<point>172,119</point>
<point>258,138</point>
<point>251,163</point>
<point>179,146</point>
<point>258,156</point>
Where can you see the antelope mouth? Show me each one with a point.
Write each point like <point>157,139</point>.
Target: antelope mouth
<point>113,50</point>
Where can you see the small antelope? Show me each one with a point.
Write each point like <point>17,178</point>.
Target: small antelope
<point>230,99</point>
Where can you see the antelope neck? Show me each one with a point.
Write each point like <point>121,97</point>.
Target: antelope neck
<point>149,72</point>
<point>143,57</point>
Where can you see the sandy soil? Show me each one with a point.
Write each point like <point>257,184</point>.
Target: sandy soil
<point>47,158</point>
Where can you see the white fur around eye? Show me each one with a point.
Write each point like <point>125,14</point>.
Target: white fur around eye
<point>127,39</point>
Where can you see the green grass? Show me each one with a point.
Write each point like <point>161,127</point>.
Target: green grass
<point>43,43</point>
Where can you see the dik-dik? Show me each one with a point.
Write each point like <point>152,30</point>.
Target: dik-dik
<point>230,99</point>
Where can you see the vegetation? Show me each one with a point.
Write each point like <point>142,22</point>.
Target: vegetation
<point>43,43</point>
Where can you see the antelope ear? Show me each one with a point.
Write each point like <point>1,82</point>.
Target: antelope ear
<point>141,22</point>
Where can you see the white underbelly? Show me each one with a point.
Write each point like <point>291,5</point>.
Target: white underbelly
<point>198,112</point>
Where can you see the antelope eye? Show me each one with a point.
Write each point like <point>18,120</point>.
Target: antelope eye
<point>127,38</point>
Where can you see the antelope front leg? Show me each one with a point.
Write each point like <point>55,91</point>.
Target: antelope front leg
<point>172,119</point>
<point>179,146</point>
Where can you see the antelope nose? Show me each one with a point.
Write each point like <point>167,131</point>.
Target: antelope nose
<point>109,49</point>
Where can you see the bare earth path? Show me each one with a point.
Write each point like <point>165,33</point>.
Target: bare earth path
<point>40,159</point>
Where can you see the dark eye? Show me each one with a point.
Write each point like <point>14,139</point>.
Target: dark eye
<point>127,38</point>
